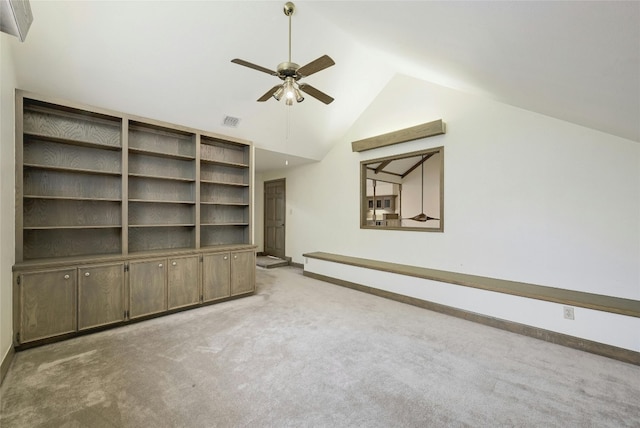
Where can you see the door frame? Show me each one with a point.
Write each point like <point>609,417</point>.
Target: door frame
<point>284,215</point>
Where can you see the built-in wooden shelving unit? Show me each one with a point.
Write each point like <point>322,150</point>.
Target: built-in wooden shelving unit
<point>101,192</point>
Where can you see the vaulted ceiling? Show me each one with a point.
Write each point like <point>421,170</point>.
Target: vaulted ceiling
<point>170,60</point>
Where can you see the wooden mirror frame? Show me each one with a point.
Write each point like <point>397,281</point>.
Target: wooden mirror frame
<point>397,171</point>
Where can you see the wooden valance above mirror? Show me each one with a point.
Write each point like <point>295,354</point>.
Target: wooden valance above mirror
<point>429,129</point>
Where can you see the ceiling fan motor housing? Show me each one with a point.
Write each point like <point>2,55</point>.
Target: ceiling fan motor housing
<point>289,8</point>
<point>288,69</point>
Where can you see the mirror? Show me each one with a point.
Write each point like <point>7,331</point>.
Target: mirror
<point>403,192</point>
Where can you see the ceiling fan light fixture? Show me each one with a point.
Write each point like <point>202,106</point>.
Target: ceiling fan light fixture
<point>290,73</point>
<point>289,89</point>
<point>278,94</point>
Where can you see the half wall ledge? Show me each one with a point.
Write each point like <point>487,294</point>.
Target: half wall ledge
<point>581,299</point>
<point>605,304</point>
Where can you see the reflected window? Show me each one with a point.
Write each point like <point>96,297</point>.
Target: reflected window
<point>403,192</point>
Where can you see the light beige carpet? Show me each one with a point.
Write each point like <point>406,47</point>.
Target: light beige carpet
<point>303,353</point>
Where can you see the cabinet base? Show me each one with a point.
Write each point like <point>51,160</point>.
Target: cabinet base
<point>49,340</point>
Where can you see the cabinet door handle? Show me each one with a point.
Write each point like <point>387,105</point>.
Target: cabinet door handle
<point>225,257</point>
<point>235,257</point>
<point>159,264</point>
<point>174,263</point>
<point>87,274</point>
<point>66,276</point>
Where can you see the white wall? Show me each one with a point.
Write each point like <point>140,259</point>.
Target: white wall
<point>7,192</point>
<point>527,197</point>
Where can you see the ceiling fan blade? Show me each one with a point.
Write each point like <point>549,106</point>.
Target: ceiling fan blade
<point>314,66</point>
<point>308,89</point>
<point>269,93</point>
<point>254,66</point>
<point>421,217</point>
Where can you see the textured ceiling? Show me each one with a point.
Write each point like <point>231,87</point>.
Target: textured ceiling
<point>170,60</point>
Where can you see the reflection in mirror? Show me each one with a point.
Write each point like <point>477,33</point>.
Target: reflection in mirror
<point>403,192</point>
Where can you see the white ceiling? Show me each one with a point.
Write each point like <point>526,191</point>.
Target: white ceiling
<point>170,60</point>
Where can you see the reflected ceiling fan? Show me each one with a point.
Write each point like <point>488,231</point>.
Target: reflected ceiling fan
<point>290,73</point>
<point>422,217</point>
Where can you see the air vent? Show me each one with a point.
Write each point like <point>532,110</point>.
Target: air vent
<point>230,121</point>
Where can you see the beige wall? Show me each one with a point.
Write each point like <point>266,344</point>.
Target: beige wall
<point>7,190</point>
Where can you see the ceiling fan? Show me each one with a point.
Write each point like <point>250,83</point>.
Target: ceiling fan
<point>290,73</point>
<point>422,217</point>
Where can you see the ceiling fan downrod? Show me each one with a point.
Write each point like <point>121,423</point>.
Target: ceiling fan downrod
<point>289,9</point>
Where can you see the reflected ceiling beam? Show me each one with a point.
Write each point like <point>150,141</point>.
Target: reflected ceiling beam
<point>420,162</point>
<point>374,170</point>
<point>383,176</point>
<point>382,166</point>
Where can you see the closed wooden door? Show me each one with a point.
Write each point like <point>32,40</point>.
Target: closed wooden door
<point>216,276</point>
<point>147,287</point>
<point>47,304</point>
<point>243,269</point>
<point>100,295</point>
<point>184,287</point>
<point>274,217</point>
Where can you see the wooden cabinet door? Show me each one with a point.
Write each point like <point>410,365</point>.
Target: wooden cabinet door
<point>100,295</point>
<point>47,304</point>
<point>243,270</point>
<point>147,287</point>
<point>215,276</point>
<point>184,287</point>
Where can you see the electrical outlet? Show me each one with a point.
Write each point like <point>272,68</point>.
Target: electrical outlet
<point>568,313</point>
